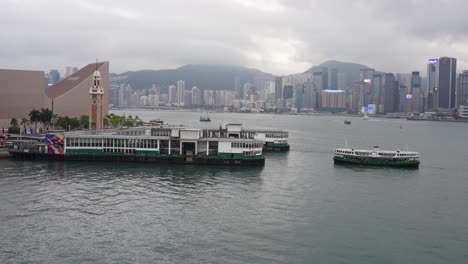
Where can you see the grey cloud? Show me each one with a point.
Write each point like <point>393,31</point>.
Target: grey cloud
<point>277,36</point>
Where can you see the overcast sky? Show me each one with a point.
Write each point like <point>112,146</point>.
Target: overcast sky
<point>276,36</point>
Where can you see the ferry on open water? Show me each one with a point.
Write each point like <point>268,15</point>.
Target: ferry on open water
<point>376,157</point>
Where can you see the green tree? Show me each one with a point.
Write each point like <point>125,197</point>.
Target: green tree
<point>14,122</point>
<point>14,128</point>
<point>45,116</point>
<point>35,117</point>
<point>84,121</point>
<point>24,122</point>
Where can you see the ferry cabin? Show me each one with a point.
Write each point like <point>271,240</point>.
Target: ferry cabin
<point>273,139</point>
<point>376,153</point>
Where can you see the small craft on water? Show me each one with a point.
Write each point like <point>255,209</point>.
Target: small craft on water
<point>376,157</point>
<point>205,118</point>
<point>365,117</point>
<point>347,122</point>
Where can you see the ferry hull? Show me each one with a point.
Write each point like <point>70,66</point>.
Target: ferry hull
<point>273,148</point>
<point>141,158</point>
<point>398,163</point>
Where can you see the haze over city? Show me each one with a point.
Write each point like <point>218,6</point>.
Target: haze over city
<point>279,37</point>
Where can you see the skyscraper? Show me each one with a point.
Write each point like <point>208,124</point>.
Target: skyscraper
<point>463,89</point>
<point>299,97</point>
<point>365,76</point>
<point>389,93</point>
<point>431,84</point>
<point>196,96</point>
<point>180,92</point>
<point>288,92</point>
<point>54,76</point>
<point>324,78</point>
<point>237,87</point>
<point>278,88</point>
<point>333,79</point>
<point>172,94</point>
<point>415,80</point>
<point>446,70</point>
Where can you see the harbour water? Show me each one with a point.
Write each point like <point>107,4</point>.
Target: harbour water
<point>298,208</point>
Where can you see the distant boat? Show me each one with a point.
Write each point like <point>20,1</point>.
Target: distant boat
<point>205,118</point>
<point>365,117</point>
<point>347,122</point>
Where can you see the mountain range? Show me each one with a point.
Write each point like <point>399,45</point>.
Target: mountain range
<point>351,70</point>
<point>219,76</point>
<point>208,76</point>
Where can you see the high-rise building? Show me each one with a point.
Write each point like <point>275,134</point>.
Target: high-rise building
<point>342,81</point>
<point>54,76</point>
<point>310,95</point>
<point>237,87</point>
<point>415,80</point>
<point>389,93</point>
<point>333,100</point>
<point>430,84</point>
<point>209,97</point>
<point>180,92</point>
<point>376,92</point>
<point>173,99</point>
<point>356,97</point>
<point>187,98</point>
<point>333,79</point>
<point>446,70</point>
<point>288,92</point>
<point>299,96</point>
<point>278,88</point>
<point>196,96</point>
<point>324,78</point>
<point>463,89</point>
<point>68,71</point>
<point>365,76</point>
<point>320,79</point>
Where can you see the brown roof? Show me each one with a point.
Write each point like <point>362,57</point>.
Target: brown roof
<point>72,81</point>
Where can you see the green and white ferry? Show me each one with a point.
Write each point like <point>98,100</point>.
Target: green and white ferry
<point>275,140</point>
<point>376,157</point>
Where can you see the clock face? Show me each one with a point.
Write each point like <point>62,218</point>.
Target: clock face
<point>94,101</point>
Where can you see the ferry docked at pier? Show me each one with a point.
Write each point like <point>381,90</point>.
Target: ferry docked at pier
<point>228,145</point>
<point>376,157</point>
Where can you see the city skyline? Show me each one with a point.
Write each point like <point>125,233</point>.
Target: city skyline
<point>279,37</point>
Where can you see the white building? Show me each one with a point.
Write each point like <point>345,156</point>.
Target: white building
<point>173,95</point>
<point>463,111</point>
<point>196,96</point>
<point>180,92</point>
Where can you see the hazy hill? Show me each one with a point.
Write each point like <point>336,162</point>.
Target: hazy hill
<point>350,69</point>
<point>208,76</point>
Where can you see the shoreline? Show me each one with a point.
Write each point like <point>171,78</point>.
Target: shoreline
<point>196,110</point>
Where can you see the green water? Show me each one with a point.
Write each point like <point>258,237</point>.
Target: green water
<point>298,208</point>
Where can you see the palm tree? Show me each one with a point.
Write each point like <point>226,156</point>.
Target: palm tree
<point>14,122</point>
<point>35,117</point>
<point>45,116</point>
<point>24,122</point>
